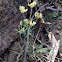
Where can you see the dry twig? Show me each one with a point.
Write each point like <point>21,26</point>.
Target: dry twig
<point>55,47</point>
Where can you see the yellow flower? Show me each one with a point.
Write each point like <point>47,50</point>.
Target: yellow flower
<point>32,23</point>
<point>38,15</point>
<point>26,21</point>
<point>33,4</point>
<point>22,9</point>
<point>20,22</point>
<point>21,31</point>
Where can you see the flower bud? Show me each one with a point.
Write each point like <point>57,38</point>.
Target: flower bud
<point>21,31</point>
<point>32,23</point>
<point>20,22</point>
<point>22,9</point>
<point>26,21</point>
<point>38,15</point>
<point>33,4</point>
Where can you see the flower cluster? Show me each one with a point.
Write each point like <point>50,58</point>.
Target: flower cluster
<point>22,9</point>
<point>21,31</point>
<point>38,15</point>
<point>29,22</point>
<point>26,23</point>
<point>33,4</point>
<point>21,22</point>
<point>32,23</point>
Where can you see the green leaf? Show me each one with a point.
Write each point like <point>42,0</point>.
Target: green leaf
<point>60,17</point>
<point>43,50</point>
<point>24,33</point>
<point>20,32</point>
<point>30,31</point>
<point>54,14</point>
<point>39,46</point>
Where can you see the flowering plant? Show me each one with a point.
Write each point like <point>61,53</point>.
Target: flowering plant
<point>27,24</point>
<point>26,27</point>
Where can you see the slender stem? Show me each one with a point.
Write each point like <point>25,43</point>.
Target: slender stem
<point>39,9</point>
<point>26,48</point>
<point>23,15</point>
<point>20,35</point>
<point>34,19</point>
<point>37,34</point>
<point>25,54</point>
<point>27,38</point>
<point>18,57</point>
<point>39,58</point>
<point>33,50</point>
<point>31,13</point>
<point>21,38</point>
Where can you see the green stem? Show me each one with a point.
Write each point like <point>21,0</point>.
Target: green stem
<point>23,15</point>
<point>18,57</point>
<point>33,50</point>
<point>31,13</point>
<point>27,38</point>
<point>20,35</point>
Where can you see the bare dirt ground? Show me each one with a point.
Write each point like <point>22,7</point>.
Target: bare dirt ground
<point>10,17</point>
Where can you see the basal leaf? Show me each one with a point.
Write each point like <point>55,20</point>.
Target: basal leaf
<point>54,14</point>
<point>60,17</point>
<point>42,50</point>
